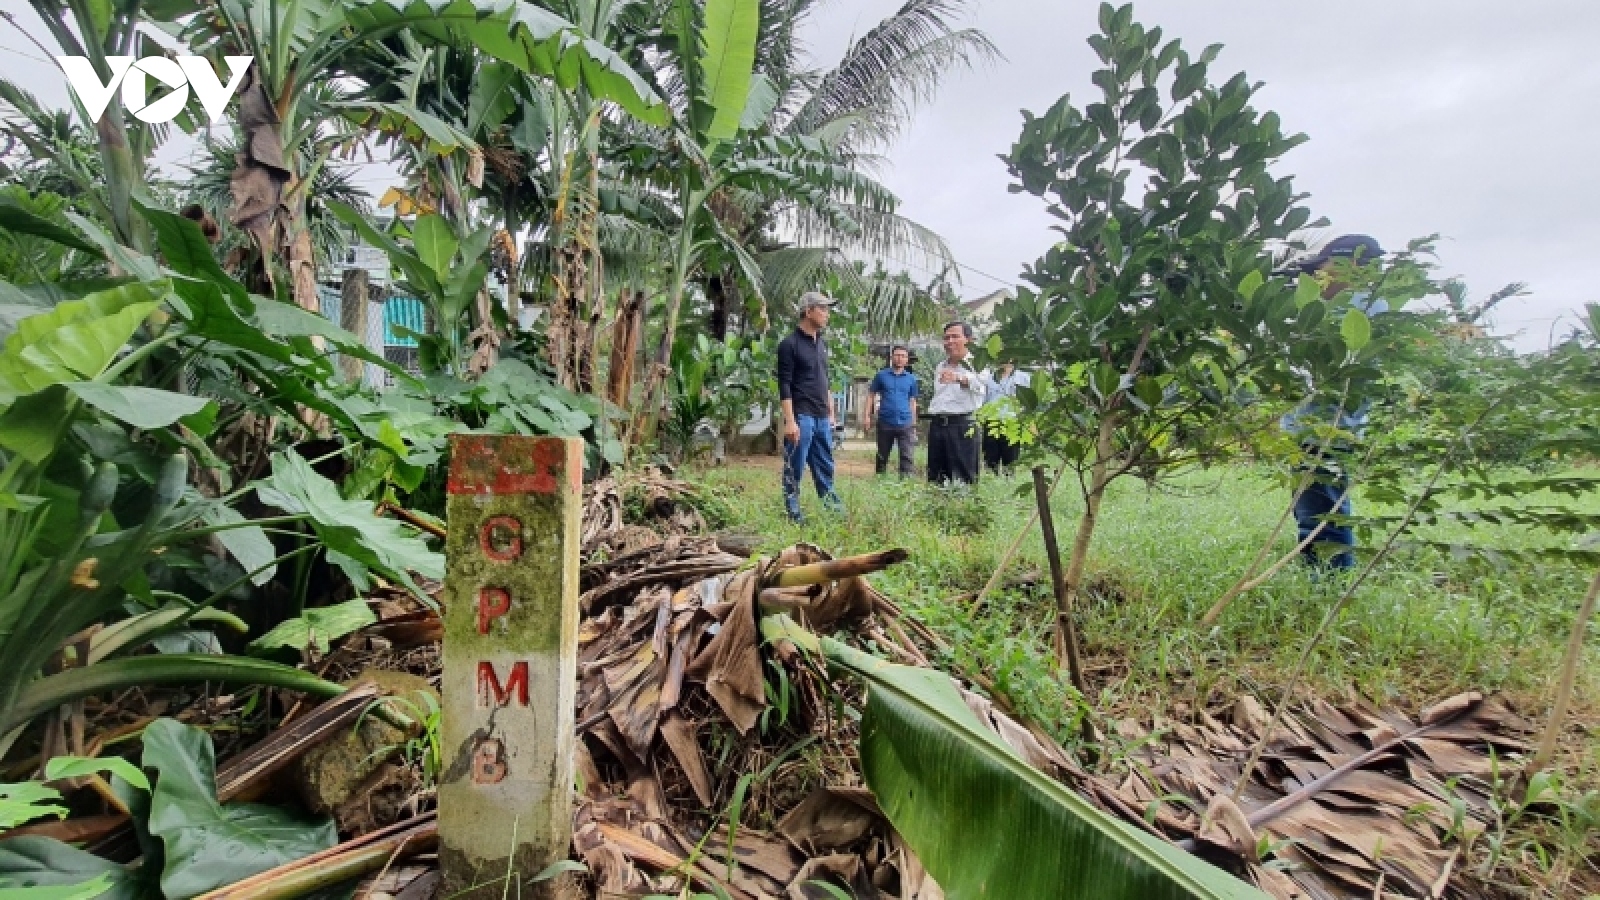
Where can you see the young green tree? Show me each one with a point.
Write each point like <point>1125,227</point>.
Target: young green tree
<point>1155,321</point>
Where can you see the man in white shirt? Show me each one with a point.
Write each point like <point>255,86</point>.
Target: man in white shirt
<point>957,393</point>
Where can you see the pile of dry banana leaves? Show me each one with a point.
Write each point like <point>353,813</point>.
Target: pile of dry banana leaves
<point>713,761</point>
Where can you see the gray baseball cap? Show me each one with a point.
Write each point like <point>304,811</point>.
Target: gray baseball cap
<point>814,298</point>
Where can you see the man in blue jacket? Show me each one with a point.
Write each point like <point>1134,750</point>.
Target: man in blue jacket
<point>1326,497</point>
<point>807,403</point>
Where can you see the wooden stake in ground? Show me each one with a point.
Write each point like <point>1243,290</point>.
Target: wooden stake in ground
<point>353,318</point>
<point>1569,675</point>
<point>1066,630</point>
<point>510,665</point>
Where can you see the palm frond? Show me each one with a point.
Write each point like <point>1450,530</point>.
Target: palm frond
<point>876,234</point>
<point>898,307</point>
<point>894,305</point>
<point>631,250</point>
<point>893,68</point>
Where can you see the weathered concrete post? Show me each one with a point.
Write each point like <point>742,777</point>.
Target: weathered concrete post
<point>510,664</point>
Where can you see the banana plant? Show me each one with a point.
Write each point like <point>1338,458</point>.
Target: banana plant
<point>941,777</point>
<point>299,43</point>
<point>714,153</point>
<point>98,31</point>
<point>444,272</point>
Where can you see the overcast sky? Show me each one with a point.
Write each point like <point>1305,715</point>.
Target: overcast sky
<point>1469,118</point>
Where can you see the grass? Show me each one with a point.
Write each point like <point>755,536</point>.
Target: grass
<point>1423,627</point>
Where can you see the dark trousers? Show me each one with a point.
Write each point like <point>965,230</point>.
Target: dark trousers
<point>892,436</point>
<point>999,452</point>
<point>953,449</point>
<point>1321,498</point>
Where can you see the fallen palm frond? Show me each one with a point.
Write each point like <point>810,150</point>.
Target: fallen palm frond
<point>1349,797</point>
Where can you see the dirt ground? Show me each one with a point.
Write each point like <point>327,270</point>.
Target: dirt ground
<point>854,457</point>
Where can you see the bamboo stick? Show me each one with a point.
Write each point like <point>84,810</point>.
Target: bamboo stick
<point>1569,675</point>
<point>834,569</point>
<point>1066,630</point>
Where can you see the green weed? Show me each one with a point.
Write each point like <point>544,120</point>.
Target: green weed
<point>1425,625</point>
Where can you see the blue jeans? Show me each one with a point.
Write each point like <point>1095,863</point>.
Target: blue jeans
<point>1318,500</point>
<point>815,448</point>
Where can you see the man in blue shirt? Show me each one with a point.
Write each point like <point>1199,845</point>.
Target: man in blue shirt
<point>892,404</point>
<point>1328,495</point>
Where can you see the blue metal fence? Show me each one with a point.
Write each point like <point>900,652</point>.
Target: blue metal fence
<point>405,312</point>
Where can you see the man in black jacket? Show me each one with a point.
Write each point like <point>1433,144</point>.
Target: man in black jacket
<point>807,406</point>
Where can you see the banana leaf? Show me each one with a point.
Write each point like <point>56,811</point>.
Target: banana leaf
<point>985,823</point>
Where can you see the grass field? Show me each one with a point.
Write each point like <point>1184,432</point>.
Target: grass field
<point>1422,627</point>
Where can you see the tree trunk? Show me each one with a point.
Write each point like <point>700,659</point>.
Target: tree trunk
<point>1067,653</point>
<point>625,347</point>
<point>354,295</point>
<point>589,339</point>
<point>259,178</point>
<point>484,339</point>
<point>1098,479</point>
<point>654,400</point>
<point>561,331</point>
<point>301,259</point>
<point>716,292</point>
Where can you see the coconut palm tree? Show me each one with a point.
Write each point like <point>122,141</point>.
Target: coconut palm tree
<point>737,163</point>
<point>858,108</point>
<point>99,31</point>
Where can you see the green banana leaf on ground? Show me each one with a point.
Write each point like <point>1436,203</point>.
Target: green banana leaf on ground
<point>985,823</point>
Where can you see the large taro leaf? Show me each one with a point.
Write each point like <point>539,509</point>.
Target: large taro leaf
<point>147,408</point>
<point>287,321</point>
<point>76,340</point>
<point>349,529</point>
<point>187,251</point>
<point>26,801</point>
<point>31,426</point>
<point>13,217</point>
<point>209,845</point>
<point>529,37</point>
<point>247,544</point>
<point>47,869</point>
<point>943,779</point>
<point>316,627</point>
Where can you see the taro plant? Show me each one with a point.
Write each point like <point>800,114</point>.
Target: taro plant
<point>189,842</point>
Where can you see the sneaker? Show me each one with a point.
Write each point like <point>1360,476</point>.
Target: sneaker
<point>797,518</point>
